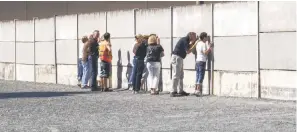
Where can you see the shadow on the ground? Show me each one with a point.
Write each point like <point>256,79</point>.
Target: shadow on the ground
<point>38,94</point>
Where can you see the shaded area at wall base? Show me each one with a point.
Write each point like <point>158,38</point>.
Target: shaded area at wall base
<point>275,84</point>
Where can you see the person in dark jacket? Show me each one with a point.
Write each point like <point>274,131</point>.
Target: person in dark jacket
<point>178,55</point>
<point>140,53</point>
<point>93,50</point>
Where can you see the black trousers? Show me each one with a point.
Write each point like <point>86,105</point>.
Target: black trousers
<point>138,74</point>
<point>94,71</point>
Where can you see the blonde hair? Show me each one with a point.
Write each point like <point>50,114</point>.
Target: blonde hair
<point>152,39</point>
<point>84,39</point>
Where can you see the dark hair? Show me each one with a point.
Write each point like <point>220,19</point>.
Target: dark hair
<point>96,31</point>
<point>203,35</point>
<point>106,36</point>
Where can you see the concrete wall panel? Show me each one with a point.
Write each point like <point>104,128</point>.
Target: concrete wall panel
<point>7,71</point>
<point>277,16</point>
<point>154,21</point>
<point>122,51</point>
<point>25,72</point>
<point>274,86</point>
<point>235,53</point>
<point>199,19</point>
<point>66,27</point>
<point>87,23</point>
<point>228,18</point>
<point>166,60</point>
<point>7,52</point>
<point>45,73</point>
<point>126,26</point>
<point>278,50</point>
<point>7,31</point>
<point>239,84</point>
<point>25,31</point>
<point>44,29</point>
<point>67,74</point>
<point>25,53</point>
<point>66,51</point>
<point>45,52</point>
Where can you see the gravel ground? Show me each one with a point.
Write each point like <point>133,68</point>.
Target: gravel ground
<point>29,107</point>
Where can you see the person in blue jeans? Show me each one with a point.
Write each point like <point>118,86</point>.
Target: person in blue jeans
<point>85,63</point>
<point>79,61</point>
<point>132,74</point>
<point>94,54</point>
<point>140,53</point>
<point>203,48</point>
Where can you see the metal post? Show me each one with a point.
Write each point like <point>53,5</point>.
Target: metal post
<point>171,36</point>
<point>258,51</point>
<point>34,47</point>
<point>211,88</point>
<point>15,52</point>
<point>134,11</point>
<point>55,41</point>
<point>105,21</point>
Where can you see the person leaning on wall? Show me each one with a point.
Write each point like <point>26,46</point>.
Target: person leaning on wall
<point>105,55</point>
<point>86,62</point>
<point>140,53</point>
<point>203,48</point>
<point>179,53</point>
<point>93,41</point>
<point>154,53</point>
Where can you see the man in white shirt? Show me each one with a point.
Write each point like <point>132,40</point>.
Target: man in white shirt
<point>203,48</point>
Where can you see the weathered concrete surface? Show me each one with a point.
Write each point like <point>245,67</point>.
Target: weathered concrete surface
<point>7,71</point>
<point>236,84</point>
<point>25,53</point>
<point>199,17</point>
<point>25,72</point>
<point>67,52</point>
<point>58,108</point>
<point>278,50</point>
<point>126,18</point>
<point>228,18</point>
<point>45,73</point>
<point>66,27</point>
<point>45,52</point>
<point>235,53</point>
<point>25,31</point>
<point>87,23</point>
<point>7,31</point>
<point>44,29</point>
<point>7,52</point>
<point>277,16</point>
<point>278,84</point>
<point>67,74</point>
<point>154,21</point>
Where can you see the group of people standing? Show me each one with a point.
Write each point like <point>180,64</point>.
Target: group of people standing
<point>95,48</point>
<point>147,56</point>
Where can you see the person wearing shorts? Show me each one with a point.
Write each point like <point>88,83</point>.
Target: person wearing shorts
<point>105,56</point>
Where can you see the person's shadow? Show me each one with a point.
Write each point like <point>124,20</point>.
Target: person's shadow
<point>129,67</point>
<point>161,79</point>
<point>119,69</point>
